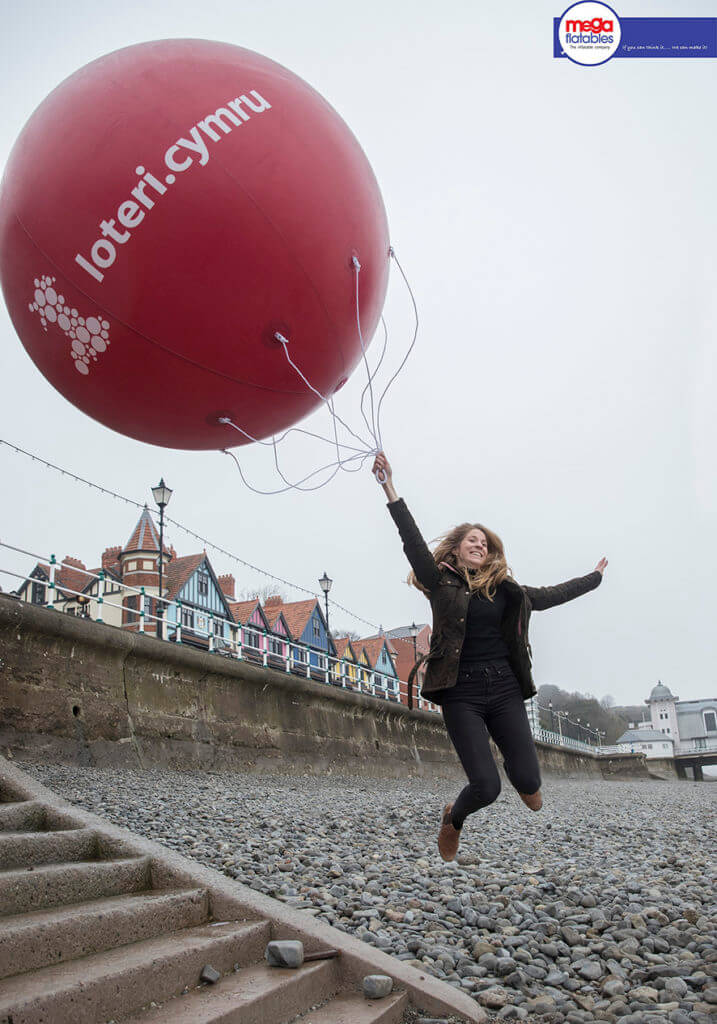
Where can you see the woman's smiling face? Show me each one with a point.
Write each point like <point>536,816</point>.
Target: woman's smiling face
<point>472,550</point>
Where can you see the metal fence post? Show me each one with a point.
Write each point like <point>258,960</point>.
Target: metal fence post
<point>100,593</point>
<point>211,632</point>
<point>141,609</point>
<point>51,584</point>
<point>178,634</point>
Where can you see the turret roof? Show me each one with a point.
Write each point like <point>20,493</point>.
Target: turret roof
<point>144,537</point>
<point>660,692</point>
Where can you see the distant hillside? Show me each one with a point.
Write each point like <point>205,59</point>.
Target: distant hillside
<point>601,714</point>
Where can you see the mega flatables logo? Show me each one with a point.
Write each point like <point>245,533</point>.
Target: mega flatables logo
<point>589,33</point>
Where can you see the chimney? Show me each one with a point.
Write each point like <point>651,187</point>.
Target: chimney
<point>227,584</point>
<point>75,563</point>
<point>110,557</point>
<point>273,600</point>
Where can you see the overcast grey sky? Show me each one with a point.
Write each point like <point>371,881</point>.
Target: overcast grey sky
<point>557,224</point>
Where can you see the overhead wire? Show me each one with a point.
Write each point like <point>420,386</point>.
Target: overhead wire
<point>180,526</point>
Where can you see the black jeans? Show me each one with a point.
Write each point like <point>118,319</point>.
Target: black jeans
<point>486,701</point>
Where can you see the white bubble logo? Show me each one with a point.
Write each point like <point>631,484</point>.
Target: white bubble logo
<point>589,33</point>
<point>89,337</point>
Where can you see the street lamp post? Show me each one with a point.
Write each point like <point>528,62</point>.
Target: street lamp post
<point>326,587</point>
<point>409,687</point>
<point>161,494</point>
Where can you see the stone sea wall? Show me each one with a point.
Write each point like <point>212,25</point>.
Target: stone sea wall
<point>81,692</point>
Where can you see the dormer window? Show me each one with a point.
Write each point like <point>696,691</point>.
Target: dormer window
<point>203,584</point>
<point>317,629</point>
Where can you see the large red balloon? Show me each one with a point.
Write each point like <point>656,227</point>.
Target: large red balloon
<point>168,209</point>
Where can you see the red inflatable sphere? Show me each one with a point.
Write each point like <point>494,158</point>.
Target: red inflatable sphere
<point>165,212</point>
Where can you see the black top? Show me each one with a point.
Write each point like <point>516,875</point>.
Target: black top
<point>484,637</point>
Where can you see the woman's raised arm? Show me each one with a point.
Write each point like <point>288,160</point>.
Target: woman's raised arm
<point>414,546</point>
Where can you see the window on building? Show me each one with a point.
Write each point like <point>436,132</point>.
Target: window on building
<point>203,584</point>
<point>218,627</point>
<point>38,593</point>
<point>275,646</point>
<point>317,629</point>
<point>132,606</point>
<point>251,639</point>
<point>299,654</point>
<point>187,618</point>
<point>710,721</point>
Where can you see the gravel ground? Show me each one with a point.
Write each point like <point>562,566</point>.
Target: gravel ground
<point>600,907</point>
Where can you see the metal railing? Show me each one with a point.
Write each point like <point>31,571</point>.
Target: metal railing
<point>186,624</point>
<point>556,739</point>
<point>700,746</point>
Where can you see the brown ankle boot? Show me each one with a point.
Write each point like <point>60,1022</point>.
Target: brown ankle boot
<point>532,800</point>
<point>448,837</point>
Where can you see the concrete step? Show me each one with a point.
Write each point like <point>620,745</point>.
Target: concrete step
<point>355,1009</point>
<point>44,937</point>
<point>23,849</point>
<point>52,885</point>
<point>256,995</point>
<point>27,816</point>
<point>107,985</point>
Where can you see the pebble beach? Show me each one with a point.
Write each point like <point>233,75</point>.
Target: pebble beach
<point>602,906</point>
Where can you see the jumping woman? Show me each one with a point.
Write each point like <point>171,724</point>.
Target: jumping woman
<point>478,666</point>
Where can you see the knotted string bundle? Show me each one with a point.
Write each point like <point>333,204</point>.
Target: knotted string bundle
<point>364,442</point>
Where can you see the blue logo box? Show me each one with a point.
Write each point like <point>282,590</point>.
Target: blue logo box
<point>660,37</point>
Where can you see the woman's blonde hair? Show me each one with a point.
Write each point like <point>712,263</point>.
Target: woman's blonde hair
<point>486,579</point>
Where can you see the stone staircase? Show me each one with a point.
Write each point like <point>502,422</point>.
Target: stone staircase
<point>95,928</point>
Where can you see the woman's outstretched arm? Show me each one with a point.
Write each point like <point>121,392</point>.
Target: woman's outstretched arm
<point>547,597</point>
<point>414,546</point>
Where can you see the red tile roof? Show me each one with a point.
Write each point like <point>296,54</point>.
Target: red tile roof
<point>382,636</point>
<point>69,578</point>
<point>144,537</point>
<point>272,616</point>
<point>373,647</point>
<point>242,611</point>
<point>296,614</point>
<point>344,648</point>
<point>178,572</point>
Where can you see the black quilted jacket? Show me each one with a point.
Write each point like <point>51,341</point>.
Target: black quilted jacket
<point>449,596</point>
